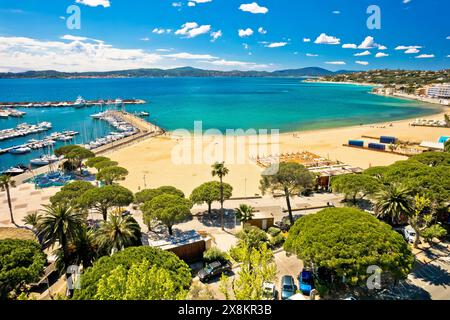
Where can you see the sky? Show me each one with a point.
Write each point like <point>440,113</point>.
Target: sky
<point>224,34</point>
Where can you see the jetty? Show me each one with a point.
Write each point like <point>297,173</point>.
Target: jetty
<point>78,103</point>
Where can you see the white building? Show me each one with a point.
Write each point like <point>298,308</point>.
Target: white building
<point>439,91</point>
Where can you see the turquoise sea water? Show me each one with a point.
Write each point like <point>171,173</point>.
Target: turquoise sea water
<point>221,103</point>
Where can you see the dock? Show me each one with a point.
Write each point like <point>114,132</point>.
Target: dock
<point>62,104</point>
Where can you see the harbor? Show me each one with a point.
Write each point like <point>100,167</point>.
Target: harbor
<point>78,103</point>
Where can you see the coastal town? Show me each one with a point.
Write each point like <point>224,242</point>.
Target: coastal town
<point>207,159</point>
<point>206,222</point>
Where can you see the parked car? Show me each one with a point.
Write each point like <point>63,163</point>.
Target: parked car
<point>288,287</point>
<point>214,269</point>
<point>306,281</point>
<point>269,291</point>
<point>409,234</point>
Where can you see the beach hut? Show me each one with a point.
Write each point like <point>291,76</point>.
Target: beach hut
<point>377,146</point>
<point>356,143</point>
<point>388,140</point>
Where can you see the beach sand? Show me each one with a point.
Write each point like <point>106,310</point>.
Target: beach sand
<point>150,162</point>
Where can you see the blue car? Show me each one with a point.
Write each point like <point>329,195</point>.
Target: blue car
<point>287,287</point>
<point>306,282</point>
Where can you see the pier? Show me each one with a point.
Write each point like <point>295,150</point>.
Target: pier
<point>61,104</point>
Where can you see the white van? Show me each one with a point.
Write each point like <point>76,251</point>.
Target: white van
<point>409,234</point>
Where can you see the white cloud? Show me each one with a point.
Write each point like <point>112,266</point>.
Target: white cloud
<point>20,53</point>
<point>407,47</point>
<point>364,63</point>
<point>364,53</point>
<point>191,4</point>
<point>381,55</point>
<point>262,30</point>
<point>312,55</point>
<point>161,30</point>
<point>145,39</point>
<point>253,8</point>
<point>448,38</point>
<point>216,35</point>
<point>246,46</point>
<point>73,38</point>
<point>95,3</point>
<point>192,29</point>
<point>425,56</point>
<point>336,12</point>
<point>382,48</point>
<point>177,4</point>
<point>245,33</point>
<point>163,50</point>
<point>238,64</point>
<point>369,43</point>
<point>412,50</point>
<point>335,62</point>
<point>276,44</point>
<point>190,56</point>
<point>349,46</point>
<point>406,1</point>
<point>324,39</point>
<point>306,40</point>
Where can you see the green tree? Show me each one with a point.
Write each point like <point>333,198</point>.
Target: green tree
<point>148,194</point>
<point>142,281</point>
<point>21,262</point>
<point>346,241</point>
<point>168,209</point>
<point>179,272</point>
<point>6,183</point>
<point>118,233</point>
<point>71,192</point>
<point>32,219</point>
<point>75,155</point>
<point>60,225</point>
<point>355,186</point>
<point>433,159</point>
<point>245,213</point>
<point>394,202</point>
<point>290,178</point>
<point>447,146</point>
<point>93,161</point>
<point>105,164</point>
<point>209,192</point>
<point>251,237</point>
<point>421,217</point>
<point>434,231</point>
<point>104,198</point>
<point>258,267</point>
<point>109,175</point>
<point>219,170</point>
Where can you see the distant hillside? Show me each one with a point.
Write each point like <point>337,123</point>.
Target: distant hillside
<point>177,72</point>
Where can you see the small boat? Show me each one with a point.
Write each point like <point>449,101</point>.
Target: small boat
<point>20,150</point>
<point>118,101</point>
<point>80,102</point>
<point>44,160</point>
<point>64,138</point>
<point>4,114</point>
<point>14,171</point>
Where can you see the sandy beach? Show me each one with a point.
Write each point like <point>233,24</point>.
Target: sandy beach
<point>151,165</point>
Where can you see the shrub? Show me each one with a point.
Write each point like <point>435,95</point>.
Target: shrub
<point>215,254</point>
<point>277,241</point>
<point>273,231</point>
<point>435,231</point>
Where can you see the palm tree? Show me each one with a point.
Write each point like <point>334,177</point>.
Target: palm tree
<point>60,224</point>
<point>118,232</point>
<point>6,182</point>
<point>220,171</point>
<point>82,250</point>
<point>394,202</point>
<point>244,213</point>
<point>32,219</point>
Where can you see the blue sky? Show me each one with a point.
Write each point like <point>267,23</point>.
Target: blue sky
<point>224,34</point>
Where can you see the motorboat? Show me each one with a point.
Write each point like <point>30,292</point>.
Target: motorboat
<point>80,102</point>
<point>15,171</point>
<point>20,150</point>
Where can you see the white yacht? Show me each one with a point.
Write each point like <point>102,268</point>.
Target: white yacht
<point>80,102</point>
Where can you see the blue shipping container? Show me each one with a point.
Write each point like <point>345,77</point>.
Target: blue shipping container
<point>386,139</point>
<point>377,146</point>
<point>443,139</point>
<point>356,143</point>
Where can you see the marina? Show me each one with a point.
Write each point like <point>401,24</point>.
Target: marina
<point>78,103</point>
<point>24,129</point>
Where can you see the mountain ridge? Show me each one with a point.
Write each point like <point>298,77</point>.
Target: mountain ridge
<point>175,72</point>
